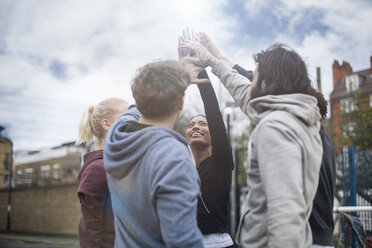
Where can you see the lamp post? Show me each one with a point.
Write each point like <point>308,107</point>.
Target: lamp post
<point>235,202</point>
<point>10,187</point>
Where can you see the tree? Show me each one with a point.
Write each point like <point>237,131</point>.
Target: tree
<point>241,148</point>
<point>357,121</point>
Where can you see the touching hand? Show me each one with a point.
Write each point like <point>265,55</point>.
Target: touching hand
<point>193,70</point>
<point>206,42</point>
<point>201,57</point>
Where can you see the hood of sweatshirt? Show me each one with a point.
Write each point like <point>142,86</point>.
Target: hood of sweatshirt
<point>304,107</point>
<point>123,149</point>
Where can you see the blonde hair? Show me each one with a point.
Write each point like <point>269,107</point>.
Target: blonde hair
<point>90,128</point>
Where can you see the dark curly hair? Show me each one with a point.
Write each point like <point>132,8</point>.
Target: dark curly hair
<point>158,87</point>
<point>284,72</point>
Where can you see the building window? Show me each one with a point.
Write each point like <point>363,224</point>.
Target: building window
<point>347,105</point>
<point>349,129</point>
<point>45,172</point>
<point>19,177</point>
<point>29,175</point>
<point>56,171</point>
<point>353,82</point>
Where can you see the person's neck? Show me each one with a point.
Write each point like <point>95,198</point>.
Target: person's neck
<point>168,121</point>
<point>201,153</point>
<point>98,145</point>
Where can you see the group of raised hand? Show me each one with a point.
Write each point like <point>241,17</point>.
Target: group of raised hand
<point>196,51</point>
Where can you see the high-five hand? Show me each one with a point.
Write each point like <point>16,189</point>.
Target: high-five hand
<point>187,63</point>
<point>201,57</point>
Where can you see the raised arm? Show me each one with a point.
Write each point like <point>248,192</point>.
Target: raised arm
<point>221,147</point>
<point>244,72</point>
<point>238,85</point>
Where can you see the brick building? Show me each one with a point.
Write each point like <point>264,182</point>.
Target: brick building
<point>44,191</point>
<point>57,165</point>
<point>345,82</point>
<point>5,160</point>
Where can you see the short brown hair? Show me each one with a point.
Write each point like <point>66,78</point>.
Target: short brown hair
<point>158,87</point>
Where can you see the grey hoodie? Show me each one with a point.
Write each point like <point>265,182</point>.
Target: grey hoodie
<point>154,186</point>
<point>284,157</point>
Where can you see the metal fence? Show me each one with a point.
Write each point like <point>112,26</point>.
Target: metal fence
<point>356,181</point>
<point>357,191</point>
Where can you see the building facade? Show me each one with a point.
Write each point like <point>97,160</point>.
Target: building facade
<point>54,166</point>
<point>345,83</point>
<point>5,161</point>
<point>44,190</point>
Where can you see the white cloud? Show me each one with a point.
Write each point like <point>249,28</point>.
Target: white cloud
<point>99,44</point>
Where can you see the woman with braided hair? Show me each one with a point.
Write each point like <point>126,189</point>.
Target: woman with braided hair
<point>96,226</point>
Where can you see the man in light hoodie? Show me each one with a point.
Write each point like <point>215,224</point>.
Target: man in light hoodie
<point>284,150</point>
<point>152,179</point>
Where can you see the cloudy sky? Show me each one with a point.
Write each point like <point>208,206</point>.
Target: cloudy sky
<point>59,56</point>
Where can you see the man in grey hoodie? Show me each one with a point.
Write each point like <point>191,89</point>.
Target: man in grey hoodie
<point>151,175</point>
<point>284,150</point>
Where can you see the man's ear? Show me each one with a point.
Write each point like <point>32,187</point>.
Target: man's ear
<point>105,124</point>
<point>180,103</point>
<point>263,85</point>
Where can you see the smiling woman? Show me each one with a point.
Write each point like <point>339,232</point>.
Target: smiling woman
<point>212,153</point>
<point>197,134</point>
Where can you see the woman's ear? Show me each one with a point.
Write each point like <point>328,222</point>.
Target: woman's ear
<point>105,124</point>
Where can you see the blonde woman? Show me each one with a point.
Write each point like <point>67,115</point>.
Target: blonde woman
<point>96,227</point>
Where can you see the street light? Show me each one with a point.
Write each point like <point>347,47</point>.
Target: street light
<point>235,202</point>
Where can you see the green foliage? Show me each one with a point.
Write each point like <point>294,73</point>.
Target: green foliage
<point>241,144</point>
<point>357,124</point>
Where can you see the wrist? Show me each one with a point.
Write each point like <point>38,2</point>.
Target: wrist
<point>214,61</point>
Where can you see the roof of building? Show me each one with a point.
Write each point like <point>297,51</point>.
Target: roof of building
<point>22,157</point>
<point>366,87</point>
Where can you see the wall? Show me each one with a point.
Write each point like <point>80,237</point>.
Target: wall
<point>51,210</point>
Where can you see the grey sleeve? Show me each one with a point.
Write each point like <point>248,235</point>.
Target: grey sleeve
<point>238,85</point>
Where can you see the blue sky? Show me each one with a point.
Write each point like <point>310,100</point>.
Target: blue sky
<point>57,57</point>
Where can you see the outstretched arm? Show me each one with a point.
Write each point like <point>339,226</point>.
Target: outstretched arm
<point>221,147</point>
<point>238,85</point>
<point>212,48</point>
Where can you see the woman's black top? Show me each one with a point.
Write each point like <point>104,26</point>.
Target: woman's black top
<point>215,171</point>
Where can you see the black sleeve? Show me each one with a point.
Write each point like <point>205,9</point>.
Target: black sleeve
<point>244,72</point>
<point>221,147</point>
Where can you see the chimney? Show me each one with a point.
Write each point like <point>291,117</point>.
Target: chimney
<point>340,71</point>
<point>318,79</point>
